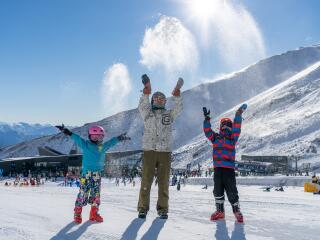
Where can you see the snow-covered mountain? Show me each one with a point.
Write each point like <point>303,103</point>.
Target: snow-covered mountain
<point>219,95</point>
<point>18,132</point>
<point>283,120</point>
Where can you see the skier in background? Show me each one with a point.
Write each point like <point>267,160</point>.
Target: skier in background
<point>174,180</point>
<point>157,145</point>
<point>179,185</point>
<point>314,179</point>
<point>133,183</point>
<point>279,189</point>
<point>117,181</point>
<point>93,160</point>
<point>224,154</point>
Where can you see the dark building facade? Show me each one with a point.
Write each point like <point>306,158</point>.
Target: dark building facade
<point>50,160</point>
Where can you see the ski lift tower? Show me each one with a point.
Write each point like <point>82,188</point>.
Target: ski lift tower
<point>293,163</point>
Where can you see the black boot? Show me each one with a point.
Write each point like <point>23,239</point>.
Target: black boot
<point>163,215</point>
<point>220,207</point>
<point>235,207</point>
<point>142,214</point>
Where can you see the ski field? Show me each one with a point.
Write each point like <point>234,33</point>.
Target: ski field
<point>46,212</point>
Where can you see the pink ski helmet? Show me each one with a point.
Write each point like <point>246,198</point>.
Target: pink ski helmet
<point>96,130</point>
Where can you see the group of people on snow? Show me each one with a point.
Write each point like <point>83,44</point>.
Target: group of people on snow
<point>25,181</point>
<point>70,180</point>
<point>125,180</point>
<point>156,146</point>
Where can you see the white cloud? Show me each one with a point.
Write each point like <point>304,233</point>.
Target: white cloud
<point>116,88</point>
<point>230,28</point>
<point>169,44</point>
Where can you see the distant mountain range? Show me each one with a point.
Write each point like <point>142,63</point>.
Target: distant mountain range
<point>283,116</point>
<point>18,132</point>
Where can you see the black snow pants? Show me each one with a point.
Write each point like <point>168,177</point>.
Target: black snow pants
<point>225,180</point>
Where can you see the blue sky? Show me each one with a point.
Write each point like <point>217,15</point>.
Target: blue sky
<point>79,61</point>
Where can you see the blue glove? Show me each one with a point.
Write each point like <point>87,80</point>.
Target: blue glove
<point>241,109</point>
<point>244,106</point>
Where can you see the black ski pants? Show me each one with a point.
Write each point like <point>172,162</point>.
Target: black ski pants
<point>225,180</point>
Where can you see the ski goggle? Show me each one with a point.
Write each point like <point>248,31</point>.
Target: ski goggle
<point>96,137</point>
<point>226,123</point>
<point>226,129</point>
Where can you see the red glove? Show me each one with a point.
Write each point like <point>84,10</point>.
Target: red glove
<point>147,89</point>
<point>147,84</point>
<point>176,90</point>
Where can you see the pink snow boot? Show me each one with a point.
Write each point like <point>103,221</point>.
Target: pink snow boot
<point>217,215</point>
<point>94,215</point>
<point>237,213</point>
<point>239,217</point>
<point>77,214</point>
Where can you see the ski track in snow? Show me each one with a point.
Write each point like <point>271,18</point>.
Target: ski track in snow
<point>45,212</point>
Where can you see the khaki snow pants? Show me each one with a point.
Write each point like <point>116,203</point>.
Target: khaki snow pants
<point>151,161</point>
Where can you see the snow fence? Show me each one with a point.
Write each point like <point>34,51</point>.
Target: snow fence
<point>262,181</point>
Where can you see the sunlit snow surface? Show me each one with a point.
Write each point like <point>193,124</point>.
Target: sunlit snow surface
<point>45,212</point>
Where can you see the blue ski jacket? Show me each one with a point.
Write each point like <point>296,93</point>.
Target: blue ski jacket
<point>94,155</point>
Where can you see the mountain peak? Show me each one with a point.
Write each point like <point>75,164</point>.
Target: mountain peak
<point>219,96</point>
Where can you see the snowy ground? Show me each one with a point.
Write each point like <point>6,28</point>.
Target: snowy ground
<point>46,213</point>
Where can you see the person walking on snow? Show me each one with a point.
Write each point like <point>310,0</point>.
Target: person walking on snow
<point>224,153</point>
<point>93,160</point>
<point>315,179</point>
<point>157,145</point>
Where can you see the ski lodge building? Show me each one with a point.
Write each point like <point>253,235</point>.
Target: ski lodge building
<point>266,164</point>
<point>50,160</point>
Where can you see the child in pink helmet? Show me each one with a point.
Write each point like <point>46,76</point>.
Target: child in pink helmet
<point>93,161</point>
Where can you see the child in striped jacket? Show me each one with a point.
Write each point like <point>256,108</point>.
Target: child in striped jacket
<point>224,153</point>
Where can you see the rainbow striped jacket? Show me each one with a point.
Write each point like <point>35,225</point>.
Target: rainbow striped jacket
<point>224,146</point>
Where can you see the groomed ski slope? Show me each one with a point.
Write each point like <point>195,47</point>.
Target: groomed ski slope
<point>45,212</point>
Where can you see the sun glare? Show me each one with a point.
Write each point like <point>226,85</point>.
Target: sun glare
<point>202,9</point>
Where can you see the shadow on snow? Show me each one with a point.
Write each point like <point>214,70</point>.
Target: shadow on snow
<point>64,233</point>
<point>133,229</point>
<point>222,231</point>
<point>152,233</point>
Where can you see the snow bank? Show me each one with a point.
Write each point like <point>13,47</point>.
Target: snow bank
<point>261,181</point>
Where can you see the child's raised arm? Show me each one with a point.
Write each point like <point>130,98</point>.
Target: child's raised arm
<point>210,134</point>
<point>144,103</point>
<point>75,137</point>
<point>177,108</point>
<point>113,141</point>
<point>236,127</point>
